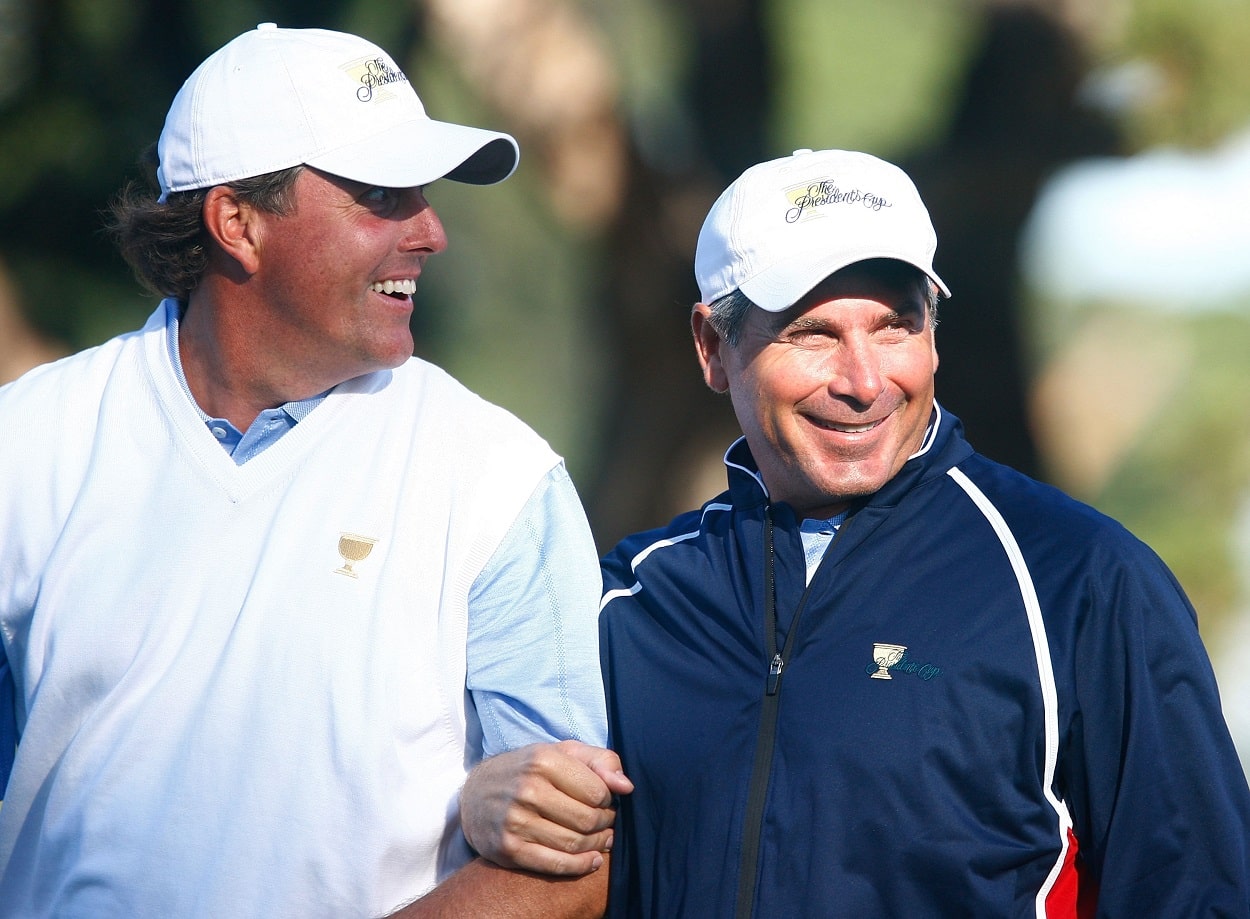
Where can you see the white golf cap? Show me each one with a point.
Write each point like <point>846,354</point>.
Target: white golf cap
<point>276,98</point>
<point>785,225</point>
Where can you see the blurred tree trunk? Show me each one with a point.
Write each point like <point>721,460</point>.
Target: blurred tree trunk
<point>664,430</point>
<point>541,64</point>
<point>1017,121</point>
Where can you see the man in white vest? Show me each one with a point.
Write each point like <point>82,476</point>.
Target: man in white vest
<point>270,586</point>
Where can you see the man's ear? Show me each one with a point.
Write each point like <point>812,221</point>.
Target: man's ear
<point>234,226</point>
<point>710,347</point>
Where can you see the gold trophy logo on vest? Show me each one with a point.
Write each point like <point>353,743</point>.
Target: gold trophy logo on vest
<point>353,548</point>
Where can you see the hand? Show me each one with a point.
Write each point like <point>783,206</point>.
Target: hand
<point>544,808</point>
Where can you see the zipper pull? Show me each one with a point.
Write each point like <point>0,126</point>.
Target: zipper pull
<point>774,674</point>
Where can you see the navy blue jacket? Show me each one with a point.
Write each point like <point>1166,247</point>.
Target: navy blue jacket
<point>992,701</point>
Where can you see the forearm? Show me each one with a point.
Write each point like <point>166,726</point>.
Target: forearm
<point>485,891</point>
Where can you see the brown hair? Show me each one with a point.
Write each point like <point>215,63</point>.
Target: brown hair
<point>165,242</point>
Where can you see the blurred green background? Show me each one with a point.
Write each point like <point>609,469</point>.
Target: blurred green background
<point>1087,163</point>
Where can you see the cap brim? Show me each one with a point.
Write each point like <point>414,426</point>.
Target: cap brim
<point>785,283</point>
<point>492,163</point>
<point>421,151</point>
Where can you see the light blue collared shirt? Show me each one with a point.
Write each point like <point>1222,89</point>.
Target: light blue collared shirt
<point>817,535</point>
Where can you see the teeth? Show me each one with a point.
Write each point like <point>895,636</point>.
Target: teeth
<point>852,428</point>
<point>406,286</point>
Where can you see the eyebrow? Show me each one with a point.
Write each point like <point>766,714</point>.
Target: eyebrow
<point>807,323</point>
<point>803,323</point>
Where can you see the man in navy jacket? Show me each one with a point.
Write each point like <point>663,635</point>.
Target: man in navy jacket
<point>882,675</point>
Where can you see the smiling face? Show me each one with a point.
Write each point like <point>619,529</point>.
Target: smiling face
<point>336,276</point>
<point>835,393</point>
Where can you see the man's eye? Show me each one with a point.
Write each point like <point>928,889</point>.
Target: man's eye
<point>811,338</point>
<point>378,195</point>
<point>907,322</point>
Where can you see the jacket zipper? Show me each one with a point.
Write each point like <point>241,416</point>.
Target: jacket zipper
<point>761,767</point>
<point>774,674</point>
<point>752,825</point>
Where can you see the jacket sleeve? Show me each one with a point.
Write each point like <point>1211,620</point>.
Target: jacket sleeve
<point>1157,792</point>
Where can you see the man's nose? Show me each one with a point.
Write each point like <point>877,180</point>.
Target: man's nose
<point>856,372</point>
<point>424,229</point>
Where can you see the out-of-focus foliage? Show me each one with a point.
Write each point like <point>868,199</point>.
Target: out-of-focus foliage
<point>86,84</point>
<point>1183,456</point>
<point>1141,405</point>
<point>879,75</point>
<point>1200,91</point>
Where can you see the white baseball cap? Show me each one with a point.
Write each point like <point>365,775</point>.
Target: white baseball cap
<point>785,225</point>
<point>276,98</point>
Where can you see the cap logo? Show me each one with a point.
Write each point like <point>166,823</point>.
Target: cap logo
<point>374,75</point>
<point>825,192</point>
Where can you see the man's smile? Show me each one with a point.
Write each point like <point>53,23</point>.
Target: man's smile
<point>405,287</point>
